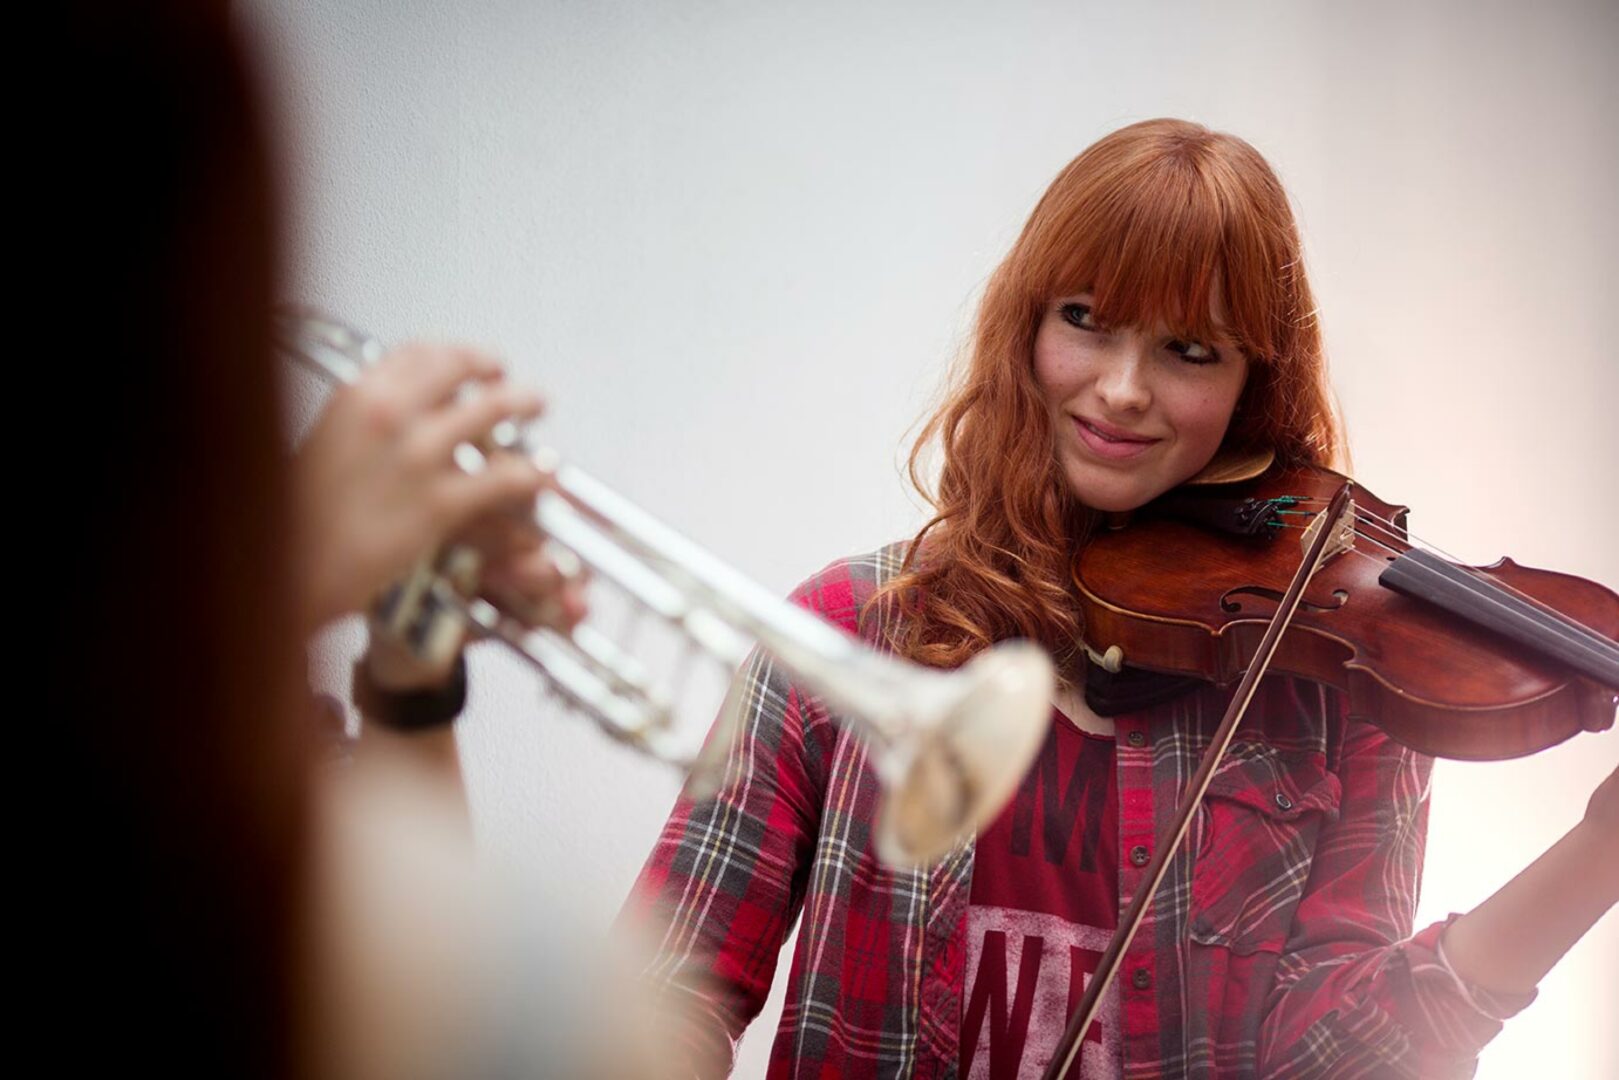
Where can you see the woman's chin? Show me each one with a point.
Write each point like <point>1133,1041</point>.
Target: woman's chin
<point>1113,494</point>
<point>1115,506</point>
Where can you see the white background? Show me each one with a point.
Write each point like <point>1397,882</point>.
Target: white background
<point>737,242</point>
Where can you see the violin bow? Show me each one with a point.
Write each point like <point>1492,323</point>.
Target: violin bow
<point>1316,552</point>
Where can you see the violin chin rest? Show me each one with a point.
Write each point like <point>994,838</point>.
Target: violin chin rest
<point>1234,466</point>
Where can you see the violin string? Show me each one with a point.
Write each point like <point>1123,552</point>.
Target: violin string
<point>1563,629</point>
<point>1483,586</point>
<point>1390,529</point>
<point>1566,629</point>
<point>1486,584</point>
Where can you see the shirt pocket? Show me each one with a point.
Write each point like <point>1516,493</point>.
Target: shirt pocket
<point>1258,828</point>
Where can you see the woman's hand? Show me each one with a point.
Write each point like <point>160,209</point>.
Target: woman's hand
<point>376,480</point>
<point>1510,941</point>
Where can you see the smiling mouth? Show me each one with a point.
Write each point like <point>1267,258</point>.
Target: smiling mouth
<point>1113,434</point>
<point>1111,442</point>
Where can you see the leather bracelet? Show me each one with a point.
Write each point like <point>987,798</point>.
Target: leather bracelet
<point>410,710</point>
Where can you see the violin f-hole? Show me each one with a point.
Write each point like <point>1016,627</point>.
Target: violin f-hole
<point>1230,605</point>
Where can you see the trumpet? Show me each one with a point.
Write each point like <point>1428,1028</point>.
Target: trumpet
<point>948,747</point>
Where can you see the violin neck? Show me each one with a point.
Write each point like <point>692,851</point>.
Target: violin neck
<point>1471,595</point>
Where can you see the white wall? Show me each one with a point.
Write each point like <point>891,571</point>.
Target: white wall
<point>737,241</point>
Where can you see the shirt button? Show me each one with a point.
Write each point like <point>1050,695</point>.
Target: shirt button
<point>1141,979</point>
<point>1139,855</point>
<point>1283,801</point>
<point>1136,739</point>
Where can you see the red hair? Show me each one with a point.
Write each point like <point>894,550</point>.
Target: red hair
<point>174,670</point>
<point>1163,223</point>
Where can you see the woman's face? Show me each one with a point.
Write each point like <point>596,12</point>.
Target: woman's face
<point>1136,411</point>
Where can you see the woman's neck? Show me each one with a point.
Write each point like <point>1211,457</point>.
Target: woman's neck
<point>1070,701</point>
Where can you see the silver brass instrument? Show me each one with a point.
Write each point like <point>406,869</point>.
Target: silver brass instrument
<point>947,746</point>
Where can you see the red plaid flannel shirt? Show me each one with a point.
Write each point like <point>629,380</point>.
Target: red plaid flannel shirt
<point>1279,945</point>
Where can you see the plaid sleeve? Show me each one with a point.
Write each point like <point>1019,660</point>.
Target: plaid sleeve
<point>726,879</point>
<point>1356,992</point>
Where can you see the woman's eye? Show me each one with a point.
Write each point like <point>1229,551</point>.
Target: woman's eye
<point>1079,315</point>
<point>1193,352</point>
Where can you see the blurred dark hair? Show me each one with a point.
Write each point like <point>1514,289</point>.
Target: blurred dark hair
<point>174,663</point>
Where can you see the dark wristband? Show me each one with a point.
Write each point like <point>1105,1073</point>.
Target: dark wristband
<point>410,710</point>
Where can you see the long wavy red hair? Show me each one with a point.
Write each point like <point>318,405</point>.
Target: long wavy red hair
<point>1164,223</point>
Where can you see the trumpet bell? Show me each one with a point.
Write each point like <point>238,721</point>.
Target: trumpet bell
<point>955,774</point>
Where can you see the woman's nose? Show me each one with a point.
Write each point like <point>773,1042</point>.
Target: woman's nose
<point>1123,380</point>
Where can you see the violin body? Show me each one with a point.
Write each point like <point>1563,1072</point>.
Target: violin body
<point>1480,663</point>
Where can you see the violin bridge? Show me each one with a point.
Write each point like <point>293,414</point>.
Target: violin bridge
<point>1343,532</point>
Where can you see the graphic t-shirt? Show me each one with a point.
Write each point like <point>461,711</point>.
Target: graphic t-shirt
<point>1045,901</point>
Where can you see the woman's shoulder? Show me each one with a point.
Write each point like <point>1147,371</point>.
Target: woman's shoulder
<point>840,590</point>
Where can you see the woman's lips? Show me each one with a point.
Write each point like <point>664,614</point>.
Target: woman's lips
<point>1110,442</point>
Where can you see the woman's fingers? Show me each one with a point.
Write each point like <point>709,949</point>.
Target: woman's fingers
<point>507,531</point>
<point>471,420</point>
<point>428,375</point>
<point>530,585</point>
<point>378,478</point>
<point>507,486</point>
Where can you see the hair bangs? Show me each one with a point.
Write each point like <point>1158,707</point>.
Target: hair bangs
<point>1168,242</point>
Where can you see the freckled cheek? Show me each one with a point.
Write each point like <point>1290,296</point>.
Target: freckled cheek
<point>1053,377</point>
<point>1202,418</point>
<point>1059,371</point>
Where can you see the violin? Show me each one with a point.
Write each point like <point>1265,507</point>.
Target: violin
<point>1473,662</point>
<point>1477,662</point>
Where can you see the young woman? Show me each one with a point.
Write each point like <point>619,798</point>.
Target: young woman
<point>1152,322</point>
